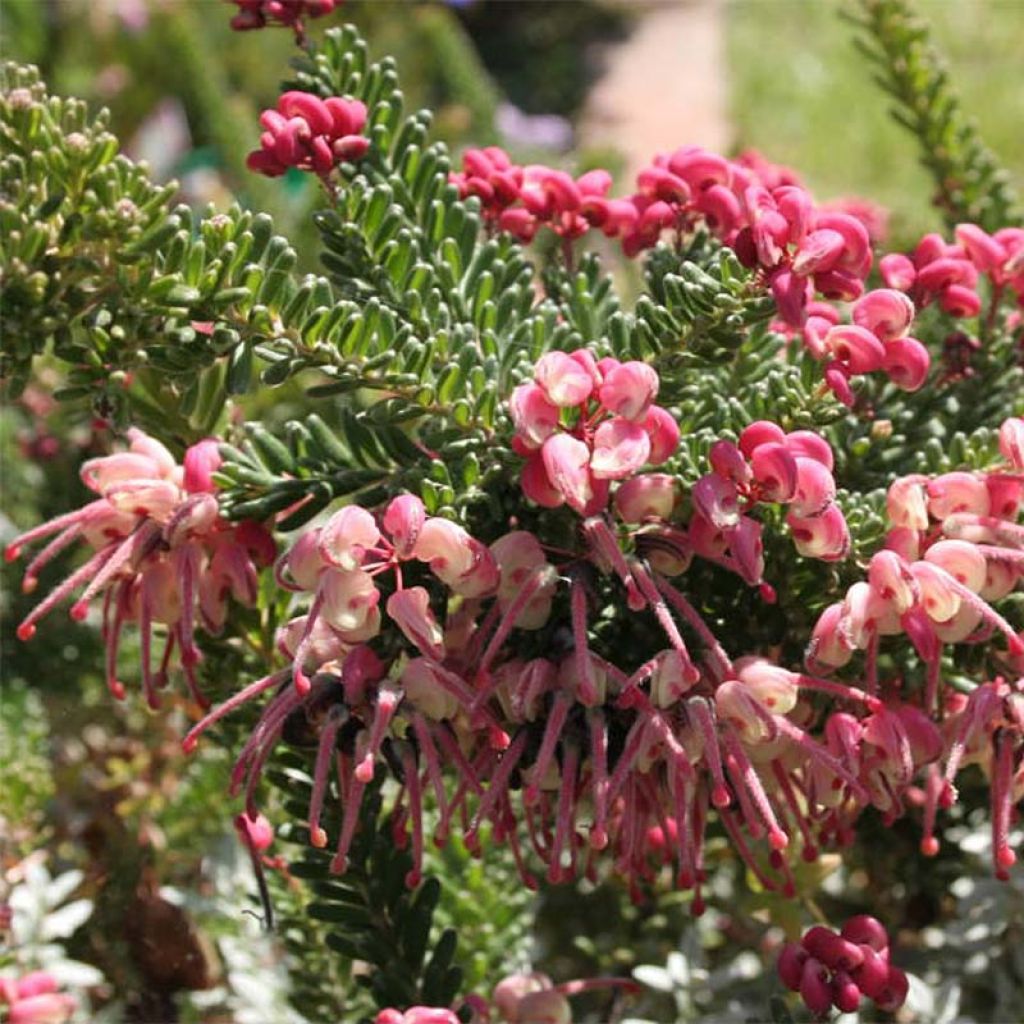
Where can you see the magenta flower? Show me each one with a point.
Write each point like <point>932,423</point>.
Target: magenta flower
<point>311,134</point>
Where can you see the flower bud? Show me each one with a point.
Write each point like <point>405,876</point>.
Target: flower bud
<point>346,535</point>
<point>621,447</point>
<point>629,389</point>
<point>404,519</point>
<point>957,492</point>
<point>832,949</point>
<point>201,461</point>
<point>893,992</point>
<point>775,472</point>
<point>567,463</point>
<point>897,271</point>
<point>938,600</point>
<point>729,463</point>
<point>855,348</point>
<point>648,496</point>
<point>825,536</point>
<point>774,687</point>
<point>1011,441</point>
<point>963,561</point>
<point>866,930</point>
<point>535,418</point>
<point>815,488</point>
<point>410,610</point>
<point>673,677</point>
<point>814,987</point>
<point>885,312</point>
<point>349,601</point>
<point>810,445</point>
<point>565,383</point>
<point>791,965</point>
<point>717,500</point>
<point>758,433</point>
<point>906,503</point>
<point>663,432</point>
<point>845,993</point>
<point>891,580</point>
<point>423,689</point>
<point>906,362</point>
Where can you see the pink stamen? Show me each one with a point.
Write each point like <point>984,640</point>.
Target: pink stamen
<point>777,838</point>
<point>805,682</point>
<point>430,758</point>
<point>146,630</point>
<point>810,851</point>
<point>599,533</point>
<point>48,553</point>
<point>387,702</point>
<point>299,677</point>
<point>819,753</point>
<point>934,786</point>
<point>27,628</point>
<point>987,612</point>
<point>732,827</point>
<point>599,785</point>
<point>335,719</point>
<point>121,605</point>
<point>497,789</point>
<point>236,700</point>
<point>412,784</point>
<point>69,519</point>
<point>564,823</point>
<point>125,552</point>
<point>552,731</point>
<point>1002,802</point>
<point>353,803</point>
<point>587,689</point>
<point>700,712</point>
<point>636,740</point>
<point>660,610</point>
<point>697,623</point>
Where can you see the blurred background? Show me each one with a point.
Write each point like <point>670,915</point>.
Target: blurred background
<point>116,853</point>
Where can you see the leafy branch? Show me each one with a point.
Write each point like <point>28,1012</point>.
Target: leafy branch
<point>970,186</point>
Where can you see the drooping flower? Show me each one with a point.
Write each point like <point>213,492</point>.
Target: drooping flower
<point>163,555</point>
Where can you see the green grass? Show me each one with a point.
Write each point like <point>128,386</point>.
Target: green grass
<point>803,95</point>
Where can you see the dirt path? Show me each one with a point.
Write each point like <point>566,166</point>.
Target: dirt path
<point>664,86</point>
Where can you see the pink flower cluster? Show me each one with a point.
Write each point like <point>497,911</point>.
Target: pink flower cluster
<point>768,465</point>
<point>876,340</point>
<point>34,999</point>
<point>163,553</point>
<point>287,13</point>
<point>309,133</point>
<point>520,200</point>
<point>949,273</point>
<point>584,422</point>
<point>953,548</point>
<point>699,734</point>
<point>838,969</point>
<point>797,248</point>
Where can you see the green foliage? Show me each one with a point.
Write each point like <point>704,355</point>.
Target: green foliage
<point>369,915</point>
<point>26,783</point>
<point>969,184</point>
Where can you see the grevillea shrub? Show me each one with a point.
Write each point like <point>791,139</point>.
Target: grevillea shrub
<point>621,591</point>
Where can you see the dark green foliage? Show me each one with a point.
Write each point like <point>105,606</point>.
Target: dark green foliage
<point>368,915</point>
<point>969,184</point>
